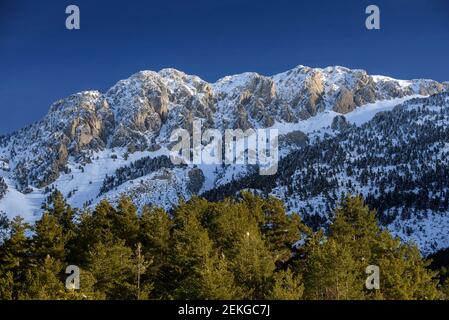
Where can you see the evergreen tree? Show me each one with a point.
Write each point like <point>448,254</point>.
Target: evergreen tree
<point>49,239</point>
<point>329,270</point>
<point>232,249</point>
<point>57,207</point>
<point>216,281</point>
<point>280,230</point>
<point>253,265</point>
<point>14,258</point>
<point>355,225</point>
<point>140,265</point>
<point>43,281</point>
<point>189,254</point>
<point>126,221</point>
<point>113,268</point>
<point>334,266</point>
<point>155,234</point>
<point>4,226</point>
<point>94,227</point>
<point>6,285</point>
<point>444,289</point>
<point>286,286</point>
<point>404,274</point>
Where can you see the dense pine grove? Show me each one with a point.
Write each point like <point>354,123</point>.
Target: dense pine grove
<point>239,248</point>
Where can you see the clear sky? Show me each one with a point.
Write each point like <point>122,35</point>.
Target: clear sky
<point>41,61</point>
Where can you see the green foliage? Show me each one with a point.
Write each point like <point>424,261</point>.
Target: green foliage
<point>126,221</point>
<point>117,271</point>
<point>216,281</point>
<point>330,271</point>
<point>49,239</point>
<point>43,282</point>
<point>155,236</point>
<point>334,265</point>
<point>253,265</point>
<point>287,286</point>
<point>241,248</point>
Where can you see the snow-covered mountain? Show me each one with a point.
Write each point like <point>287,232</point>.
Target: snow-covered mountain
<point>399,162</point>
<point>93,145</point>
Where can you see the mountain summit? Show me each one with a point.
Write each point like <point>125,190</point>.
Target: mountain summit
<point>92,145</point>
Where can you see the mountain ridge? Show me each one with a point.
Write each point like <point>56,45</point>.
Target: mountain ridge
<point>92,144</point>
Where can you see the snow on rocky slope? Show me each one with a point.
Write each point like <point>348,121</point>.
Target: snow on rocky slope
<point>86,138</point>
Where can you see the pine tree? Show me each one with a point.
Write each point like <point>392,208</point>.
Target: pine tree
<point>355,225</point>
<point>49,239</point>
<point>155,229</point>
<point>189,253</point>
<point>112,267</point>
<point>216,281</point>
<point>94,227</point>
<point>126,221</point>
<point>57,207</point>
<point>4,227</point>
<point>232,249</point>
<point>87,289</point>
<point>155,234</point>
<point>140,265</point>
<point>329,270</point>
<point>404,274</point>
<point>14,259</point>
<point>43,281</point>
<point>444,289</point>
<point>356,241</point>
<point>280,230</point>
<point>253,265</point>
<point>286,286</point>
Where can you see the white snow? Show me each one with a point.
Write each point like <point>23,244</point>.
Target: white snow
<point>16,203</point>
<point>365,113</point>
<point>324,119</point>
<point>402,83</point>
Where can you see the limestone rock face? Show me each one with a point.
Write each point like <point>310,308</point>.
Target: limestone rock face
<point>91,127</point>
<point>245,100</point>
<point>140,104</point>
<point>74,125</point>
<point>190,98</point>
<point>310,99</point>
<point>344,102</point>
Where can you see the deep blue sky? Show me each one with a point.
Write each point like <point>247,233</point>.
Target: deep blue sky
<point>41,61</point>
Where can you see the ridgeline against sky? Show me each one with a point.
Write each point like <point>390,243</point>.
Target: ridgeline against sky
<point>41,61</point>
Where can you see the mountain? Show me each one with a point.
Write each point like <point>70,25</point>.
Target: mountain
<point>336,137</point>
<point>399,162</point>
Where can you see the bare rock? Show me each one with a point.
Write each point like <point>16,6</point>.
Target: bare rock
<point>344,102</point>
